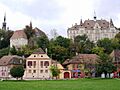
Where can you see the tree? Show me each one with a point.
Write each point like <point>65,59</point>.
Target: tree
<point>4,51</point>
<point>98,50</point>
<point>63,42</point>
<point>13,50</point>
<point>83,44</point>
<point>5,36</point>
<point>17,72</point>
<point>43,42</point>
<point>105,65</point>
<point>55,71</point>
<point>106,44</point>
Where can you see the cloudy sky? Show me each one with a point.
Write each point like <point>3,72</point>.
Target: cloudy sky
<point>56,14</point>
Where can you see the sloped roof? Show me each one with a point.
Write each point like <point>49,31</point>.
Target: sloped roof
<point>89,24</point>
<point>39,51</point>
<point>39,32</point>
<point>19,34</point>
<point>82,58</point>
<point>7,60</point>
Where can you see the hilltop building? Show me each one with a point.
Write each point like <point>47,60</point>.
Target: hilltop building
<point>94,29</point>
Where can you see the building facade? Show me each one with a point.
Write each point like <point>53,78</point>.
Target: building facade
<point>6,63</point>
<point>38,66</point>
<point>81,64</point>
<point>94,29</point>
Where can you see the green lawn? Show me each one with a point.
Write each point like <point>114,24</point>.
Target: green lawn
<point>82,84</point>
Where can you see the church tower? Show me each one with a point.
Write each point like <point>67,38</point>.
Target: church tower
<point>4,23</point>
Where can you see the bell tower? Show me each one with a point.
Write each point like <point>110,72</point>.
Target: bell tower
<point>4,23</point>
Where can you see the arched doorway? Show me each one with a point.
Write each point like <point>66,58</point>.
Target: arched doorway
<point>66,75</point>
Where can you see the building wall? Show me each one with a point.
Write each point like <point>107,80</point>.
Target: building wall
<point>4,71</point>
<point>38,70</point>
<point>18,42</point>
<point>93,35</point>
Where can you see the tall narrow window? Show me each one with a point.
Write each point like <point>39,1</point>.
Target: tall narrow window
<point>29,64</point>
<point>34,64</point>
<point>46,64</point>
<point>41,63</point>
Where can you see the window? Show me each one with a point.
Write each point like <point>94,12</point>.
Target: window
<point>41,55</point>
<point>41,64</point>
<point>46,71</point>
<point>29,71</point>
<point>34,64</point>
<point>34,71</point>
<point>41,71</point>
<point>34,55</point>
<point>29,63</point>
<point>46,64</point>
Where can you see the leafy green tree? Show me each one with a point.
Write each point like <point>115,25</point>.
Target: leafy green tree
<point>106,44</point>
<point>83,44</point>
<point>63,42</point>
<point>13,50</point>
<point>55,71</point>
<point>17,72</point>
<point>4,51</point>
<point>105,65</point>
<point>43,42</point>
<point>5,36</point>
<point>58,53</point>
<point>98,50</point>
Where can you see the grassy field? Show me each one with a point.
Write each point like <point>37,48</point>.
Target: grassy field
<point>81,84</point>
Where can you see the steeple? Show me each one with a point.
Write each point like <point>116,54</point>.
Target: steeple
<point>111,23</point>
<point>30,24</point>
<point>95,17</point>
<point>4,23</point>
<point>81,22</point>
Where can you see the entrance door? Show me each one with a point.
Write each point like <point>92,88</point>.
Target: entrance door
<point>66,75</point>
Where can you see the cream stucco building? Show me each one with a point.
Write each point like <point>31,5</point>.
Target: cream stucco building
<point>94,29</point>
<point>38,66</point>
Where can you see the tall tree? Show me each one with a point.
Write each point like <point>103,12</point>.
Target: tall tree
<point>106,44</point>
<point>105,65</point>
<point>43,42</point>
<point>83,44</point>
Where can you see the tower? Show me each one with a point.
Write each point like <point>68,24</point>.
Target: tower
<point>4,23</point>
<point>30,24</point>
<point>95,17</point>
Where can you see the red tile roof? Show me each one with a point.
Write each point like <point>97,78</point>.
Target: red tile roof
<point>19,34</point>
<point>82,58</point>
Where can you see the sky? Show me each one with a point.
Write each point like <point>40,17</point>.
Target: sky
<point>56,14</point>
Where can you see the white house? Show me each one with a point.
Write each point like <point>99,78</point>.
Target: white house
<point>18,39</point>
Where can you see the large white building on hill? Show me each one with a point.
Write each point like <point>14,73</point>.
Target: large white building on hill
<point>94,29</point>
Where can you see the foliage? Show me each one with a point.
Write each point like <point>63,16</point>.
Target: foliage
<point>83,44</point>
<point>58,53</point>
<point>106,44</point>
<point>4,51</point>
<point>13,50</point>
<point>43,42</point>
<point>105,64</point>
<point>17,71</point>
<point>98,50</point>
<point>5,36</point>
<point>55,71</point>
